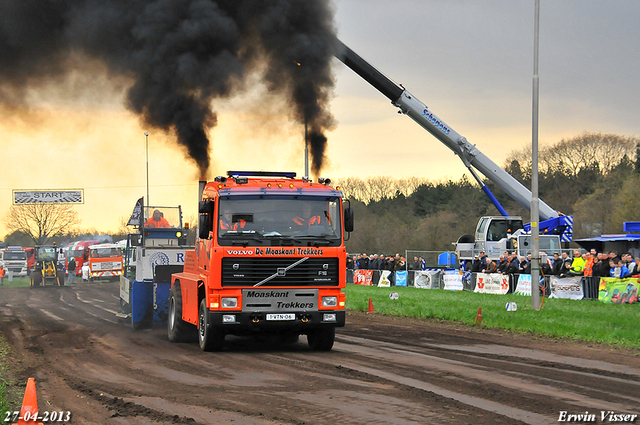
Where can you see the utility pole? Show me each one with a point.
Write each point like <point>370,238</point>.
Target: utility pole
<point>535,202</point>
<point>146,144</point>
<point>306,148</point>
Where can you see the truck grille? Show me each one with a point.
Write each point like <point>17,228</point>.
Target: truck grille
<point>249,271</point>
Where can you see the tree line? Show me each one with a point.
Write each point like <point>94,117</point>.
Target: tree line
<point>593,176</point>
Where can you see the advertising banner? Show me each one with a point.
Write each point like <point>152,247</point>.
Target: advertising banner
<point>384,278</point>
<point>428,279</point>
<point>618,291</point>
<point>453,280</point>
<point>524,285</point>
<point>492,283</point>
<point>48,196</point>
<point>362,277</point>
<point>566,287</point>
<point>401,278</point>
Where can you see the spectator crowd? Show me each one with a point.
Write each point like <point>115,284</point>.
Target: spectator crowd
<point>590,263</point>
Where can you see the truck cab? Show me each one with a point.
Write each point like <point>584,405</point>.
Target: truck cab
<point>105,261</point>
<point>14,259</point>
<point>496,234</point>
<point>270,258</point>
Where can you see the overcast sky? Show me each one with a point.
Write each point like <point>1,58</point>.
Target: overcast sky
<point>470,61</point>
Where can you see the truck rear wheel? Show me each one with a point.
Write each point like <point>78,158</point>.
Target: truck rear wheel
<point>177,329</point>
<point>210,337</point>
<point>322,339</point>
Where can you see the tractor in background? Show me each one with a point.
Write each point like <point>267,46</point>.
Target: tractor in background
<point>46,271</point>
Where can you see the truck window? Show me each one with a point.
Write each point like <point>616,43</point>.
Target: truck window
<point>298,219</point>
<point>105,253</point>
<point>15,255</point>
<point>47,254</point>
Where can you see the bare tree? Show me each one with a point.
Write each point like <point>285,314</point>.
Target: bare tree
<point>41,221</point>
<point>569,156</point>
<point>379,187</point>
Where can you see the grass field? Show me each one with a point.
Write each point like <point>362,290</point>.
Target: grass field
<point>15,283</point>
<point>588,320</point>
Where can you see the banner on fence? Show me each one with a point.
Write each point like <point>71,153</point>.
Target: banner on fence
<point>566,287</point>
<point>453,280</point>
<point>362,277</point>
<point>618,291</point>
<point>492,283</point>
<point>401,278</point>
<point>524,285</point>
<point>384,278</point>
<point>428,279</point>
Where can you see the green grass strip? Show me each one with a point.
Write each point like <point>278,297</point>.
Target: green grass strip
<point>587,320</point>
<point>5,404</point>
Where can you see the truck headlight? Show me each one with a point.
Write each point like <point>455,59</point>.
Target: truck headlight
<point>329,317</point>
<point>329,301</point>
<point>229,302</point>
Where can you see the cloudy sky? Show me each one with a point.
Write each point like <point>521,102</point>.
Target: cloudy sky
<point>470,61</point>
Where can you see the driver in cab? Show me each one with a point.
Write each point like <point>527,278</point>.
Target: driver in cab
<point>308,218</point>
<point>226,222</point>
<point>157,221</point>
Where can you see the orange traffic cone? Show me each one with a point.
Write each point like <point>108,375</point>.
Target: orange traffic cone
<point>29,411</point>
<point>370,306</point>
<point>479,317</point>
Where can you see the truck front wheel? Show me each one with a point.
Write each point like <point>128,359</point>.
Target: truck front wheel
<point>177,329</point>
<point>36,279</point>
<point>322,339</point>
<point>210,337</point>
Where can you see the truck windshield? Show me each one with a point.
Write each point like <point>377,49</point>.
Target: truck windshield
<point>75,253</point>
<point>162,217</point>
<point>47,254</point>
<point>105,253</point>
<point>17,255</point>
<point>299,219</point>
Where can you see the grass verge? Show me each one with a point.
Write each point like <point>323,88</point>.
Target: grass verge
<point>15,283</point>
<point>9,400</point>
<point>588,320</point>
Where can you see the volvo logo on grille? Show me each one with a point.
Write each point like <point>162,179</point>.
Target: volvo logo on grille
<point>282,271</point>
<point>236,266</point>
<point>325,267</point>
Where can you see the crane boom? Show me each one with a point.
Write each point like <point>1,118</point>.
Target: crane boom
<point>421,114</point>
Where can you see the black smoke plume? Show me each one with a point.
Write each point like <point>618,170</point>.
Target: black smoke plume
<point>181,56</point>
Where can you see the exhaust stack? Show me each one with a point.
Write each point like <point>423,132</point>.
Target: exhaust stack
<point>201,185</point>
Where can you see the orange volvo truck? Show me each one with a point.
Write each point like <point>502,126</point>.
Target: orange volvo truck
<point>269,258</point>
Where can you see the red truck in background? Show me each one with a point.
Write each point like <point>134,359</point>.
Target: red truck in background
<point>269,258</point>
<point>105,261</point>
<point>80,252</point>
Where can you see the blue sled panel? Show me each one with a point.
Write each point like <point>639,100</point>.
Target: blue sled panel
<point>142,304</point>
<point>161,312</point>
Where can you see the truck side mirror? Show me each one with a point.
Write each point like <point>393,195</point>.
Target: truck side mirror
<point>348,220</point>
<point>205,207</point>
<point>204,226</point>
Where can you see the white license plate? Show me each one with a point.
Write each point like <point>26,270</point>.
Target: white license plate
<point>287,316</point>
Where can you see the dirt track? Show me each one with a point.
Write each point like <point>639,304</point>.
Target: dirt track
<point>382,370</point>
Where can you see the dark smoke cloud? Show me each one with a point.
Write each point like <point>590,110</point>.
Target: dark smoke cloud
<point>181,56</point>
